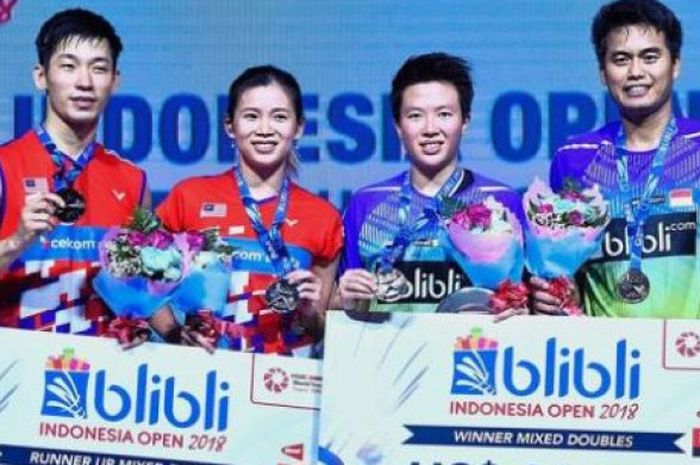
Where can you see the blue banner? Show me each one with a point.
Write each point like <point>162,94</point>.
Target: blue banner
<point>623,441</point>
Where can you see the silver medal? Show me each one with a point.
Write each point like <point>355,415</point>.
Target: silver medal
<point>392,285</point>
<point>282,296</point>
<point>633,287</point>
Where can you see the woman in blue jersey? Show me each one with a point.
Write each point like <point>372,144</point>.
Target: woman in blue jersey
<point>431,100</point>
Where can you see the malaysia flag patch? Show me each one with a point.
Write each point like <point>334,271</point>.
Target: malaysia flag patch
<point>32,185</point>
<point>679,198</point>
<point>212,210</point>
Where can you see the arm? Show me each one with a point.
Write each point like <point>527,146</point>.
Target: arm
<point>355,285</point>
<point>315,288</point>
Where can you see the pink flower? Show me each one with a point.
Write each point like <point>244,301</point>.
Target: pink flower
<point>136,238</point>
<point>160,239</point>
<point>479,215</point>
<point>576,218</point>
<point>195,240</point>
<point>462,218</point>
<point>545,208</point>
<point>572,195</point>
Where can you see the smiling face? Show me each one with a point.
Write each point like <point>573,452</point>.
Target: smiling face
<point>430,125</point>
<point>264,127</point>
<point>639,71</point>
<point>78,82</point>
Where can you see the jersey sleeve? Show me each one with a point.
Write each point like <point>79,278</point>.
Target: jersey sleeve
<point>556,172</point>
<point>171,210</point>
<point>352,222</point>
<point>332,240</point>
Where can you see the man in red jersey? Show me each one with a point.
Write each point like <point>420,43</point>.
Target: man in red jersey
<point>59,189</point>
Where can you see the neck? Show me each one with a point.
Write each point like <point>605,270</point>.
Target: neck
<point>429,182</point>
<point>644,133</point>
<point>263,184</point>
<point>69,140</point>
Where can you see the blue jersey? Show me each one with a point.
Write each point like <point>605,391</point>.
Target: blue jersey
<point>371,222</point>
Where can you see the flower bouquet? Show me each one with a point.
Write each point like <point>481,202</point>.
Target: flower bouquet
<point>565,229</point>
<point>488,238</point>
<point>141,264</point>
<point>202,295</point>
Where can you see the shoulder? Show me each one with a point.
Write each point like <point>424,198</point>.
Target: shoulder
<point>489,185</point>
<point>373,194</point>
<point>689,128</point>
<point>196,184</point>
<point>114,160</point>
<point>19,145</point>
<point>312,203</point>
<point>589,141</point>
<point>499,190</point>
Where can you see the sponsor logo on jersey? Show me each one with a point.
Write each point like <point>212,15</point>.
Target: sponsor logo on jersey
<point>119,195</point>
<point>431,281</point>
<point>664,236</point>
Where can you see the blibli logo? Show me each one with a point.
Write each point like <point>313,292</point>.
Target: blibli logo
<point>662,238</point>
<point>65,386</point>
<point>561,372</point>
<point>431,281</point>
<point>153,399</point>
<point>474,365</point>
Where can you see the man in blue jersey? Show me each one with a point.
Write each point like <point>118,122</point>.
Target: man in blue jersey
<point>393,256</point>
<point>648,167</point>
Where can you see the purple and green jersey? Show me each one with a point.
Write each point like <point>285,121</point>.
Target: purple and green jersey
<point>371,222</point>
<point>669,257</point>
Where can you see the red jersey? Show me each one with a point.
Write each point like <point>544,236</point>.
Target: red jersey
<point>48,287</point>
<point>312,232</point>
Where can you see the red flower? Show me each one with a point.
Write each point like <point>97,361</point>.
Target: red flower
<point>562,288</point>
<point>509,295</point>
<point>126,330</point>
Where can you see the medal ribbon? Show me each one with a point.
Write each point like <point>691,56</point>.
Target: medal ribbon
<point>407,233</point>
<point>270,239</point>
<point>636,217</point>
<point>68,168</point>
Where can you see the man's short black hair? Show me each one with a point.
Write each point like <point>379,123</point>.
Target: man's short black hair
<point>434,67</point>
<point>645,13</point>
<point>79,24</point>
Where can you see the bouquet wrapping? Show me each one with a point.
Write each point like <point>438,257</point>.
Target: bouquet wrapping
<point>489,240</point>
<point>564,230</point>
<point>202,295</point>
<point>206,285</point>
<point>141,265</point>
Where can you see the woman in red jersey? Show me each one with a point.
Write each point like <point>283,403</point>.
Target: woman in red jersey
<point>287,241</point>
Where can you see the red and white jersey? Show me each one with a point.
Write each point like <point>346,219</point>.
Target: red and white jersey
<point>48,287</point>
<point>312,232</point>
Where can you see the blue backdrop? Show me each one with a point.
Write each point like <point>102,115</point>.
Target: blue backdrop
<point>535,72</point>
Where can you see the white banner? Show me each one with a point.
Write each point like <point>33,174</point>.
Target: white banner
<point>428,389</point>
<point>74,400</point>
